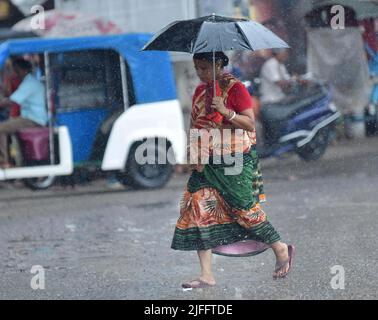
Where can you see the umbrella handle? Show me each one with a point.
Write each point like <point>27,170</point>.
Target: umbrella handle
<point>215,116</point>
<point>214,75</point>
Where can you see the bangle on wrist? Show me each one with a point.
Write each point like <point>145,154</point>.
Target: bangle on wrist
<point>232,117</point>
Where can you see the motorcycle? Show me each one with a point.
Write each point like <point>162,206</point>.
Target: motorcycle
<point>303,122</point>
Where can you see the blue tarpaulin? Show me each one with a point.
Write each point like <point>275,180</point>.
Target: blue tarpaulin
<point>151,72</point>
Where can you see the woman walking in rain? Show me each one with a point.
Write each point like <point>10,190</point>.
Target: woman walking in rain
<point>218,209</point>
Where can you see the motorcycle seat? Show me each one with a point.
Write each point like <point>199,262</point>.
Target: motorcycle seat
<point>286,108</point>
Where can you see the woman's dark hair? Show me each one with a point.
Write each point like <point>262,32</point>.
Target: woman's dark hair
<point>208,56</point>
<point>22,64</point>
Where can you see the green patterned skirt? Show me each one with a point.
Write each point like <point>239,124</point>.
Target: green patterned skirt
<point>219,210</point>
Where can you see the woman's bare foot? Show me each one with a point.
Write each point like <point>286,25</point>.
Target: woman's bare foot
<point>200,282</point>
<point>282,260</point>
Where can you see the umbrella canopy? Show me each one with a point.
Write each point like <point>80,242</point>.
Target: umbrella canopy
<point>363,8</point>
<point>214,33</point>
<point>60,24</point>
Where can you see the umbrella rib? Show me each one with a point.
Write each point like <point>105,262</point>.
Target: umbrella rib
<point>252,48</point>
<point>195,42</point>
<point>244,36</point>
<point>159,34</point>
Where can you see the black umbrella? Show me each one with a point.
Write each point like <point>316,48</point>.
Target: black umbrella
<point>214,33</point>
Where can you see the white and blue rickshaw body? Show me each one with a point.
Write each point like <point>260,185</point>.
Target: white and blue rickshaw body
<point>104,97</point>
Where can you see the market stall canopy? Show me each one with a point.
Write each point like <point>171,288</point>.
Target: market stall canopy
<point>339,58</point>
<point>58,24</point>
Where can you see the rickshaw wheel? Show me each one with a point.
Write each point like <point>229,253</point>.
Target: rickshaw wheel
<point>143,176</point>
<point>41,183</point>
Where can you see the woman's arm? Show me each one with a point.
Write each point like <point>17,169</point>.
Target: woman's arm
<point>243,120</point>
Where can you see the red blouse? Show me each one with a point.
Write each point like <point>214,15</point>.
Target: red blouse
<point>238,98</point>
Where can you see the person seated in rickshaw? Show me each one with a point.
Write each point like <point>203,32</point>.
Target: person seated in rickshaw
<point>30,95</point>
<point>9,84</point>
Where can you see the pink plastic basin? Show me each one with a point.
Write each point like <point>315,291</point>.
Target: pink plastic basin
<point>35,143</point>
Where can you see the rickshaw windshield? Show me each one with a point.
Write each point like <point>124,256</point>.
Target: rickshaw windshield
<point>151,72</point>
<point>88,79</point>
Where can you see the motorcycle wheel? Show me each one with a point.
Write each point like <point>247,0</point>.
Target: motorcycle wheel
<point>147,175</point>
<point>316,148</point>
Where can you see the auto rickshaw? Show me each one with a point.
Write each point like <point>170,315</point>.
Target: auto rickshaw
<point>105,98</point>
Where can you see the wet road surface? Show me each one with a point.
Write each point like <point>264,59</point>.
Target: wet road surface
<point>99,244</point>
